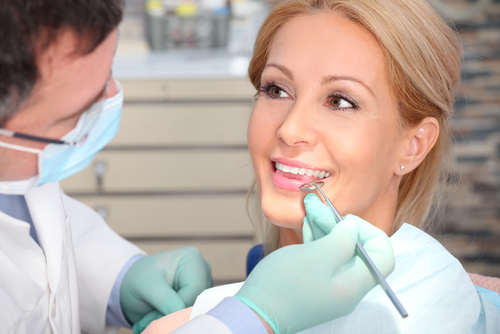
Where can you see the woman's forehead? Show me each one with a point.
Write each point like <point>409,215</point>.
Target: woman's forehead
<point>328,44</point>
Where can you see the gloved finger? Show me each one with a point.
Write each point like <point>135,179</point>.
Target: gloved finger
<point>163,297</point>
<point>336,248</point>
<point>319,215</point>
<point>193,276</point>
<point>311,204</point>
<point>357,275</point>
<point>352,279</point>
<point>376,243</point>
<point>145,321</point>
<point>307,233</point>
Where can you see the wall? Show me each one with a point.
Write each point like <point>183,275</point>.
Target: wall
<point>472,219</point>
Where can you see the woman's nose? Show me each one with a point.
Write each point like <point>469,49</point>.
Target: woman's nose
<point>298,128</point>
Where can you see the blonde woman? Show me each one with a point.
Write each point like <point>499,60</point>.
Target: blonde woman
<point>358,94</point>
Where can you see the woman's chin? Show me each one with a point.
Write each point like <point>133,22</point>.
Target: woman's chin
<point>285,220</point>
<point>283,210</point>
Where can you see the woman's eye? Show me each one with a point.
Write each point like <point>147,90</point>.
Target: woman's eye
<point>338,102</point>
<point>277,92</point>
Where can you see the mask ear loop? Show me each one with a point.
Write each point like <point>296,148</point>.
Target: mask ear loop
<point>99,106</point>
<point>20,148</point>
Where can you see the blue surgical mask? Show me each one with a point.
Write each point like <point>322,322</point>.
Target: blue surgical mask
<point>57,162</point>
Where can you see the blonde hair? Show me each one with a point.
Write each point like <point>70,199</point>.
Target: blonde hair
<point>423,67</point>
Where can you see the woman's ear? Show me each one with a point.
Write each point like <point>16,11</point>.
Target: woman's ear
<point>418,142</point>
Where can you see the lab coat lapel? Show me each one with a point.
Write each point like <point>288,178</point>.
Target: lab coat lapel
<point>19,250</point>
<point>48,215</point>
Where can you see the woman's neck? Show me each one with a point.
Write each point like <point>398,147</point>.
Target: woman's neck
<point>289,236</point>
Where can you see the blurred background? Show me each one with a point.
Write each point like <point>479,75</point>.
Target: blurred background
<point>471,229</point>
<point>178,171</point>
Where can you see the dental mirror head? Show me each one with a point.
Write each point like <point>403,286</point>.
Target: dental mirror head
<point>312,185</point>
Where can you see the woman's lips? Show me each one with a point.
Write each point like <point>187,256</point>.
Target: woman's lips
<point>293,181</point>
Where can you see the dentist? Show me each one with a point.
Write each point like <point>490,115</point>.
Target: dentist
<point>63,270</point>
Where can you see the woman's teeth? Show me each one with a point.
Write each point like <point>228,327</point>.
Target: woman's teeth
<point>302,171</point>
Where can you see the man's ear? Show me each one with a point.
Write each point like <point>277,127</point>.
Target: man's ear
<point>419,141</point>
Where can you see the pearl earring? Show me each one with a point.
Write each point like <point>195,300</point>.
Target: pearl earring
<point>402,167</point>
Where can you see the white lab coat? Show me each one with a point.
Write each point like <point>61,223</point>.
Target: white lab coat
<point>63,285</point>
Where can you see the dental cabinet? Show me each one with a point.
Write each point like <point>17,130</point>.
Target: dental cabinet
<point>178,171</point>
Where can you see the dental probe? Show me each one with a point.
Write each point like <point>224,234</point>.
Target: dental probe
<point>361,250</point>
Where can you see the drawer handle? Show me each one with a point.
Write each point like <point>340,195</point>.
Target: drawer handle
<point>99,170</point>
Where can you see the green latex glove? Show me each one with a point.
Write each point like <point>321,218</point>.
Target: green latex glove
<point>163,283</point>
<point>318,221</point>
<point>302,286</point>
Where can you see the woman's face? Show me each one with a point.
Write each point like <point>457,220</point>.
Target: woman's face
<point>326,108</point>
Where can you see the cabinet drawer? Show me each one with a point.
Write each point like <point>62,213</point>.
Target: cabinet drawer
<point>153,170</point>
<point>213,89</point>
<point>178,124</point>
<point>227,259</point>
<point>142,216</point>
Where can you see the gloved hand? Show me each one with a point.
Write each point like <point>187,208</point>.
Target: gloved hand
<point>319,220</point>
<point>163,283</point>
<point>302,286</point>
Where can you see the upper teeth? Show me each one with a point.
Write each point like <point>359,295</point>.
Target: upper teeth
<point>302,171</point>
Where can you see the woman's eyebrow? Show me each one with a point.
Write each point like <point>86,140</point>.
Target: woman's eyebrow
<point>325,80</point>
<point>331,78</point>
<point>283,69</point>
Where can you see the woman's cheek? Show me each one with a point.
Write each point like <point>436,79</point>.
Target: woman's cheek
<point>260,130</point>
<point>252,136</point>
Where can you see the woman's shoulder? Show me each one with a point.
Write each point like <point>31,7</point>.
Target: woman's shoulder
<point>411,241</point>
<point>421,261</point>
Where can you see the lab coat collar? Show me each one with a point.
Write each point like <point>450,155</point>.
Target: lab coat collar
<point>49,218</point>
